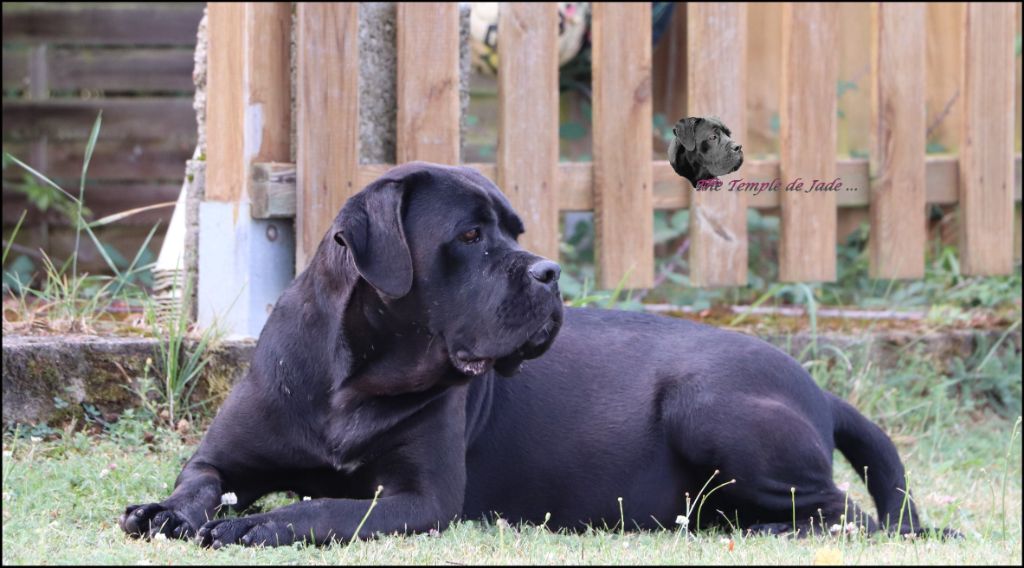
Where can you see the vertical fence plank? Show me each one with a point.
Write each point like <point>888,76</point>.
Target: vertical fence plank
<point>716,62</point>
<point>986,148</point>
<point>623,192</point>
<point>898,226</point>
<point>268,105</point>
<point>428,82</point>
<point>807,249</point>
<point>244,263</point>
<point>327,152</point>
<point>527,157</point>
<point>225,111</point>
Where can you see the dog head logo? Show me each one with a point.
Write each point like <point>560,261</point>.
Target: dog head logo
<point>703,149</point>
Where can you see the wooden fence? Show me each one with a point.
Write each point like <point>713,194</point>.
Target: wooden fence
<point>622,185</point>
<point>62,65</point>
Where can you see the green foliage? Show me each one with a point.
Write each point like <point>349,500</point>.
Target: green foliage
<point>167,395</point>
<point>66,297</point>
<point>944,289</point>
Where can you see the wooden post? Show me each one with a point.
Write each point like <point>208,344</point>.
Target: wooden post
<point>807,248</point>
<point>716,62</point>
<point>623,185</point>
<point>244,263</point>
<point>327,117</point>
<point>898,225</point>
<point>527,158</point>
<point>986,147</point>
<point>428,82</point>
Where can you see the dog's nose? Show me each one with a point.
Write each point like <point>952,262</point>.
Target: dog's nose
<point>737,148</point>
<point>545,271</point>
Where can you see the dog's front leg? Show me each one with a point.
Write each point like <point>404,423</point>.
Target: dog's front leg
<point>419,464</point>
<point>321,521</point>
<point>197,494</point>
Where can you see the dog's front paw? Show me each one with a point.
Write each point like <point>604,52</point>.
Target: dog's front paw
<point>254,530</point>
<point>152,519</point>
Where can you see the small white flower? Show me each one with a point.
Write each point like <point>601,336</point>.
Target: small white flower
<point>104,473</point>
<point>844,487</point>
<point>164,485</point>
<point>852,528</point>
<point>159,536</point>
<point>228,499</point>
<point>723,540</point>
<point>307,498</point>
<point>834,529</point>
<point>683,521</point>
<point>36,439</point>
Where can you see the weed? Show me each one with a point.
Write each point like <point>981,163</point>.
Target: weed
<point>180,362</point>
<point>71,301</point>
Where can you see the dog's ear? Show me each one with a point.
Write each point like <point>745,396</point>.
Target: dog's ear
<point>370,225</point>
<point>686,131</point>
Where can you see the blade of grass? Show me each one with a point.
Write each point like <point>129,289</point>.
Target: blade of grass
<point>14,235</point>
<point>128,213</point>
<point>79,221</point>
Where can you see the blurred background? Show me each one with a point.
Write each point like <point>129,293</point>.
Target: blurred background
<point>63,63</point>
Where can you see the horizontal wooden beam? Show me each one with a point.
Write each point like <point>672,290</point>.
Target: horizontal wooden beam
<point>273,187</point>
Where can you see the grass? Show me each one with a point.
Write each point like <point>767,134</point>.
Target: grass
<point>62,494</point>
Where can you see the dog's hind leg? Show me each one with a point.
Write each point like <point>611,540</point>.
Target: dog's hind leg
<point>775,463</point>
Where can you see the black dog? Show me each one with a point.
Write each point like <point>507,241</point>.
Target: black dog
<point>416,357</point>
<point>703,149</point>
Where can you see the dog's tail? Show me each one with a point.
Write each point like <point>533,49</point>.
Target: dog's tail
<point>874,457</point>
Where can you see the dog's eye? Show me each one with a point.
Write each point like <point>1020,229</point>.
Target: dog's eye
<point>713,137</point>
<point>470,236</point>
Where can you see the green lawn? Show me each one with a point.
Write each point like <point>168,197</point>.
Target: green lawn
<point>62,493</point>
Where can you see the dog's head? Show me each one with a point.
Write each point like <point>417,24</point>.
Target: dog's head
<point>439,245</point>
<point>704,149</point>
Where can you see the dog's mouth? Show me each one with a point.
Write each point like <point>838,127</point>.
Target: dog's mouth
<point>470,365</point>
<point>473,365</point>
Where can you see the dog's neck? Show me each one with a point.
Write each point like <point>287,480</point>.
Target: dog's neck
<point>694,171</point>
<point>392,353</point>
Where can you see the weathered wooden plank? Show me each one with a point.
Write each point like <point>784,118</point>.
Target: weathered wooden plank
<point>225,111</point>
<point>716,63</point>
<point>111,159</point>
<point>808,137</point>
<point>328,119</point>
<point>986,147</point>
<point>898,225</point>
<point>141,69</point>
<point>670,191</point>
<point>428,82</point>
<point>107,69</point>
<point>127,24</point>
<point>527,157</point>
<point>139,119</point>
<point>267,95</point>
<point>272,190</point>
<point>623,186</point>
